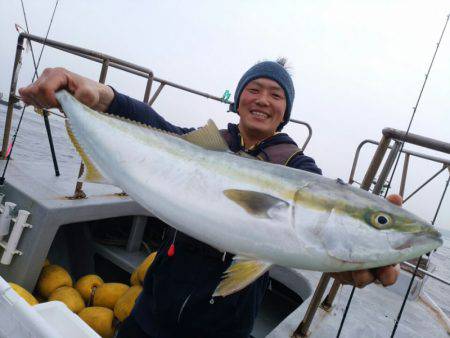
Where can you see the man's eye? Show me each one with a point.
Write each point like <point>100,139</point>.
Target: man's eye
<point>253,90</point>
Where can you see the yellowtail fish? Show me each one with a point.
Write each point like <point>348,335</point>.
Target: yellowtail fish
<point>263,213</point>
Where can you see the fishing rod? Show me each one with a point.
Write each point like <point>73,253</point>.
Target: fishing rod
<point>389,185</point>
<point>46,121</point>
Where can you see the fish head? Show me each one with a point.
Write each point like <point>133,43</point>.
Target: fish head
<point>361,230</point>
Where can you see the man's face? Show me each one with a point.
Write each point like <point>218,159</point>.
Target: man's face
<point>261,107</point>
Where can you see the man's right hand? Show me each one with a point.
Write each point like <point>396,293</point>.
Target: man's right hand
<point>41,93</point>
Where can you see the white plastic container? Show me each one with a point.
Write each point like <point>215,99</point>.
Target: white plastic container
<point>47,320</point>
<point>67,323</point>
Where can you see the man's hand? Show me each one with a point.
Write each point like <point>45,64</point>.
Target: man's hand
<point>41,93</point>
<point>387,275</point>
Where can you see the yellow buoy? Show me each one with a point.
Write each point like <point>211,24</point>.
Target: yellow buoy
<point>51,278</point>
<point>142,269</point>
<point>86,284</point>
<point>100,319</point>
<point>126,303</point>
<point>134,279</point>
<point>68,296</point>
<point>107,294</point>
<point>29,298</point>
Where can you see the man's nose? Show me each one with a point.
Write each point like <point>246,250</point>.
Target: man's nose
<point>263,99</point>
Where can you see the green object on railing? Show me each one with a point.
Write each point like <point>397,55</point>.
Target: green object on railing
<point>226,96</point>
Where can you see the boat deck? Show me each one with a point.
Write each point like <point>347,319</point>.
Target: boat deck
<point>372,313</point>
<point>34,187</point>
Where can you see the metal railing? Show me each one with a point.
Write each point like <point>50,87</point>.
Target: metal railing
<point>107,61</point>
<point>389,135</point>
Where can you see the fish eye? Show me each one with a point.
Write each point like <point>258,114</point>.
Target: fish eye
<point>380,220</point>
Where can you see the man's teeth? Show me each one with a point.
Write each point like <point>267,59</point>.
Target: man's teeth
<point>260,114</point>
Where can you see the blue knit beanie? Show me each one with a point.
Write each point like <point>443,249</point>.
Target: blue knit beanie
<point>273,71</point>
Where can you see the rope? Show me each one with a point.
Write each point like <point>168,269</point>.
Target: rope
<point>392,174</point>
<point>35,75</point>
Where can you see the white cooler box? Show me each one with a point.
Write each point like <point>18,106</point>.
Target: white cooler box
<point>48,320</point>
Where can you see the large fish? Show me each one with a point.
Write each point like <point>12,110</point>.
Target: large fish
<point>263,213</point>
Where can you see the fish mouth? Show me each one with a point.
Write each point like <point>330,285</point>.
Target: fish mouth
<point>428,238</point>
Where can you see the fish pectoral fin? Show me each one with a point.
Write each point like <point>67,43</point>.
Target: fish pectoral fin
<point>242,272</point>
<point>256,203</point>
<point>90,172</point>
<point>207,137</point>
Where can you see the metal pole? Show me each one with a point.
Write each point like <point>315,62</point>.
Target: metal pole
<point>375,163</point>
<point>355,161</point>
<point>50,141</point>
<point>441,200</point>
<point>309,131</point>
<point>154,97</point>
<point>409,152</point>
<point>426,273</point>
<point>12,91</point>
<point>387,168</point>
<point>405,172</point>
<point>104,71</point>
<point>148,87</point>
<point>328,301</point>
<point>424,184</point>
<point>418,140</point>
<point>302,329</point>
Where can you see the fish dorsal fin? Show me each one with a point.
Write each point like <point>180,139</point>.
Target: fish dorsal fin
<point>207,137</point>
<point>90,172</point>
<point>256,203</point>
<point>242,272</point>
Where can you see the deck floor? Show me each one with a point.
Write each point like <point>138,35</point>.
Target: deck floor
<point>372,313</point>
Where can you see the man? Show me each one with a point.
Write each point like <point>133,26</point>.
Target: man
<point>176,301</point>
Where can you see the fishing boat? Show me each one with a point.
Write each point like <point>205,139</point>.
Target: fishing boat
<point>96,228</point>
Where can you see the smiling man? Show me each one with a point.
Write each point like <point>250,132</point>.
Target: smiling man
<point>176,300</point>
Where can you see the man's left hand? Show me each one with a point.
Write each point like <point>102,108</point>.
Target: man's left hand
<point>386,275</point>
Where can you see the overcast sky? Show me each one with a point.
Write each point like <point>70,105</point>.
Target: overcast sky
<point>357,65</point>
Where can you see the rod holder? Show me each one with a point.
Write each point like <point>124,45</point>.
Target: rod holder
<point>11,246</point>
<point>5,219</point>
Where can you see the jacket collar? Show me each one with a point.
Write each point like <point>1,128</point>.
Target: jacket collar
<point>238,144</point>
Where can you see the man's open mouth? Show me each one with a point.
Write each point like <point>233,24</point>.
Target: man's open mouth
<point>260,114</point>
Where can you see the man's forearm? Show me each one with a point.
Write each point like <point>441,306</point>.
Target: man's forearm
<point>135,110</point>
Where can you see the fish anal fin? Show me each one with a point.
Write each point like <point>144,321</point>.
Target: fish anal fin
<point>90,172</point>
<point>207,137</point>
<point>240,274</point>
<point>256,203</point>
